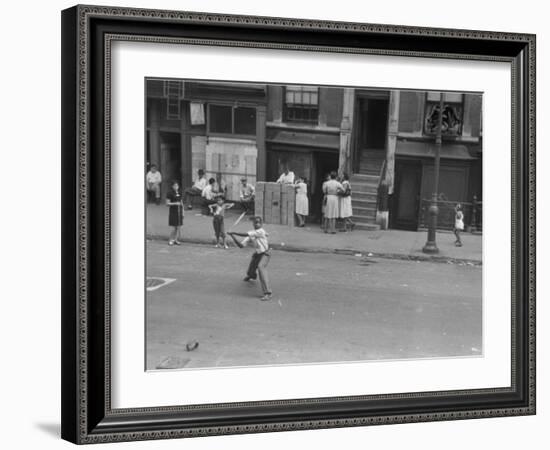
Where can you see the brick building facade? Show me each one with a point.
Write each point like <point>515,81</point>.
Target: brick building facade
<point>385,140</point>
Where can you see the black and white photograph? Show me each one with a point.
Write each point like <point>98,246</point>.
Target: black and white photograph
<point>275,225</point>
<point>305,224</point>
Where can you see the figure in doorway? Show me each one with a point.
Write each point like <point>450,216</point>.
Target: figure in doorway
<point>302,202</point>
<point>287,177</point>
<point>153,179</point>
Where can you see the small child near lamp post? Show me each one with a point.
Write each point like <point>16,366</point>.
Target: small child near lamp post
<point>459,224</point>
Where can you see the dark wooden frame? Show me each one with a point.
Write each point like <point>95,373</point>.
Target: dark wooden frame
<point>87,31</point>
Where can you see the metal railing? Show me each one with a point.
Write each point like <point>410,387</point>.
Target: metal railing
<point>473,215</point>
<point>382,190</point>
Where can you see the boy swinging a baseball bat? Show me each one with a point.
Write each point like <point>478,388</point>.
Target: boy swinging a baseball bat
<point>260,258</point>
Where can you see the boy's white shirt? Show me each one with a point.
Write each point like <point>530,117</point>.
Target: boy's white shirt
<point>259,239</point>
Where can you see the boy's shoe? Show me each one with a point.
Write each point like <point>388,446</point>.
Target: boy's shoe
<point>177,242</point>
<point>170,242</point>
<point>266,297</point>
<point>247,278</point>
<point>217,246</point>
<point>225,246</point>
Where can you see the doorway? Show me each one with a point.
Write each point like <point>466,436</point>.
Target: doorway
<point>374,113</point>
<point>170,159</point>
<point>406,197</point>
<point>371,131</point>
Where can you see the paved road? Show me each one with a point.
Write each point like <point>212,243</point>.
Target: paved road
<point>325,307</point>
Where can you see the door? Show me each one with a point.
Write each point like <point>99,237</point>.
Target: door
<point>297,161</point>
<point>375,114</point>
<point>371,130</point>
<point>406,197</point>
<point>170,157</point>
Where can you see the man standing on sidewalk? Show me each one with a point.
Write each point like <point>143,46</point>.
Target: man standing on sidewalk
<point>260,258</point>
<point>153,180</point>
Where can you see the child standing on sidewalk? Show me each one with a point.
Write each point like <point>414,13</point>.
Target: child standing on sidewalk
<point>459,224</point>
<point>218,212</point>
<point>260,258</point>
<point>174,200</point>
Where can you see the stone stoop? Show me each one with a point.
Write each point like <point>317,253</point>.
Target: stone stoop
<point>364,186</point>
<point>364,192</point>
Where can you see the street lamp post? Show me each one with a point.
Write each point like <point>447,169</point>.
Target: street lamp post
<point>431,245</point>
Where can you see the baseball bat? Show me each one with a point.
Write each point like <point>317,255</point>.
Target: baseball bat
<point>237,221</point>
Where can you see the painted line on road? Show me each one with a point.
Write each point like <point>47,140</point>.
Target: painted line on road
<point>154,285</point>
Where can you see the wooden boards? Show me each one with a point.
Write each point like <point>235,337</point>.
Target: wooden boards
<point>275,203</point>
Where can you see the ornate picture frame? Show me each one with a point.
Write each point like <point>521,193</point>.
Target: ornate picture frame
<point>87,35</point>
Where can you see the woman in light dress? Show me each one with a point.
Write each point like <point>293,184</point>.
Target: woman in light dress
<point>332,211</point>
<point>346,211</point>
<point>324,220</point>
<point>302,203</point>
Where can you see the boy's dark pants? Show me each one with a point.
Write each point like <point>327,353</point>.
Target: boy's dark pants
<point>259,262</point>
<point>219,227</point>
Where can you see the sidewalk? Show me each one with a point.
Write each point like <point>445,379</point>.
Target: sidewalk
<point>384,243</point>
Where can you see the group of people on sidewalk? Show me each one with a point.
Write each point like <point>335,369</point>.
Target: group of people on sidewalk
<point>215,188</point>
<point>214,193</point>
<point>336,200</point>
<point>300,187</point>
<point>337,203</point>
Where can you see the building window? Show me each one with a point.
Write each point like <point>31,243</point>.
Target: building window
<point>301,104</point>
<point>220,119</point>
<point>245,120</point>
<point>452,114</point>
<point>227,119</point>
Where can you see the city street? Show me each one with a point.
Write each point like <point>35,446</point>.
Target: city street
<point>325,308</point>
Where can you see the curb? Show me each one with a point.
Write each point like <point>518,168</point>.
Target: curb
<point>343,251</point>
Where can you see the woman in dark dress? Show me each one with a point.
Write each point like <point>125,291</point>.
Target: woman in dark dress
<point>174,201</point>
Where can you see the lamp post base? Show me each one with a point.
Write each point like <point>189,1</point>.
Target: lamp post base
<point>430,247</point>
